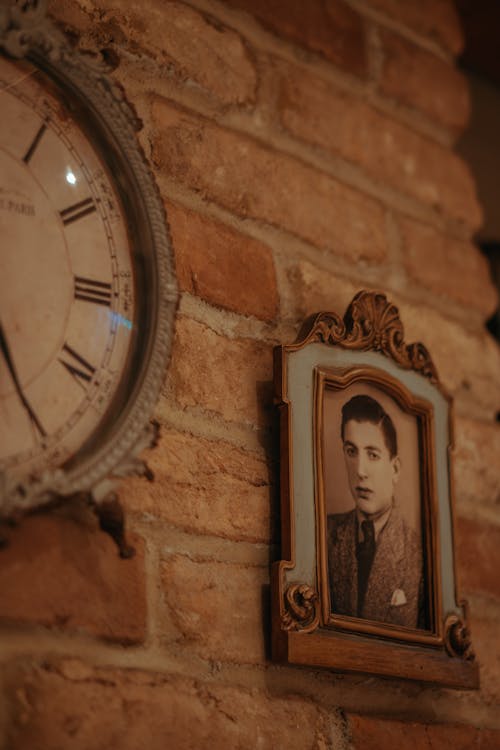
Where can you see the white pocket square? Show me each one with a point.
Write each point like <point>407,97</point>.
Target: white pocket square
<point>398,598</point>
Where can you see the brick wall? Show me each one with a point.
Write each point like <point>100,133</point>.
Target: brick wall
<point>304,151</point>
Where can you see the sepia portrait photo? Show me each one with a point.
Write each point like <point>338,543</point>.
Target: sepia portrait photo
<point>366,581</point>
<point>372,496</point>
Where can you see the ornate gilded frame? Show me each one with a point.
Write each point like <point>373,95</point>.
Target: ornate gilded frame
<point>366,346</point>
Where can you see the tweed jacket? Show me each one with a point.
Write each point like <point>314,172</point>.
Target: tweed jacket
<point>395,584</point>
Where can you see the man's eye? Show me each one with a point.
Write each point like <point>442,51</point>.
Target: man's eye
<point>350,451</point>
<point>373,456</point>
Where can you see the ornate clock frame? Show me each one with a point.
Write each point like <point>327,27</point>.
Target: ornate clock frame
<point>110,124</point>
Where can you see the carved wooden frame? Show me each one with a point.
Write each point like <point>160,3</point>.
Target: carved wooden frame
<point>365,346</point>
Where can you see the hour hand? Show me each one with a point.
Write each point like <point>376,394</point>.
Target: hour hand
<point>4,348</point>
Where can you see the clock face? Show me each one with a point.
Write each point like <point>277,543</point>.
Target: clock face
<point>67,283</point>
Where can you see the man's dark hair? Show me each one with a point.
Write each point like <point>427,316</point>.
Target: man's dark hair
<point>366,409</point>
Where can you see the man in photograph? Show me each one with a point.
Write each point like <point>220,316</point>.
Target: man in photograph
<point>374,557</point>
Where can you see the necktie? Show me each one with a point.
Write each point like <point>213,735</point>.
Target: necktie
<point>365,555</point>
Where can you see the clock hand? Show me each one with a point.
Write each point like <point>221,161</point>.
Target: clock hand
<point>4,347</point>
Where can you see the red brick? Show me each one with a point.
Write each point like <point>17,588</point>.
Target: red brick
<point>388,151</point>
<point>70,15</point>
<point>221,375</point>
<point>252,181</point>
<point>311,289</point>
<point>474,383</point>
<point>216,608</point>
<point>68,575</point>
<point>205,486</point>
<point>71,706</point>
<point>422,80</point>
<point>478,557</point>
<point>477,476</point>
<point>332,29</point>
<point>446,266</point>
<point>198,49</point>
<point>486,644</point>
<point>369,733</point>
<point>436,19</point>
<point>224,267</point>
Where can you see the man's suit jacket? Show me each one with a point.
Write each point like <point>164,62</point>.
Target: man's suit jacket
<point>395,584</point>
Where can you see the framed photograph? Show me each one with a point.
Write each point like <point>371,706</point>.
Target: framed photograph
<point>367,582</point>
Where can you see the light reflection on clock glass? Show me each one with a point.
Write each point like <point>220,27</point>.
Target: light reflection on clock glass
<point>67,301</point>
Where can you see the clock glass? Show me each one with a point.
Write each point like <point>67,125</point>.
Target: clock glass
<point>68,314</point>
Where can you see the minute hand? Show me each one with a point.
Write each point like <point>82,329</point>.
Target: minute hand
<point>10,364</point>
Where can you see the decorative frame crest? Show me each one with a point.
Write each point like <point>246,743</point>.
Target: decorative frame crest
<point>372,323</point>
<point>365,351</point>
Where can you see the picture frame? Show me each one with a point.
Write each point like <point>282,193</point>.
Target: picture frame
<point>367,579</point>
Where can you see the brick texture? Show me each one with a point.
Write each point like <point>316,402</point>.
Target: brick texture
<point>206,373</point>
<point>311,289</point>
<point>332,29</point>
<point>253,181</point>
<point>484,634</point>
<point>205,486</point>
<point>195,47</point>
<point>390,152</point>
<point>68,575</point>
<point>448,267</point>
<point>476,462</point>
<point>222,266</point>
<point>72,705</point>
<point>304,152</point>
<point>372,734</point>
<point>478,557</point>
<point>422,80</point>
<point>70,15</point>
<point>217,608</point>
<point>473,383</point>
<point>436,19</point>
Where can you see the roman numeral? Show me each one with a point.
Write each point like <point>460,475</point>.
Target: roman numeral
<point>77,211</point>
<point>89,290</point>
<point>77,366</point>
<point>34,145</point>
<point>39,431</point>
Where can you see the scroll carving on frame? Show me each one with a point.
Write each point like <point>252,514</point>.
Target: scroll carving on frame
<point>367,579</point>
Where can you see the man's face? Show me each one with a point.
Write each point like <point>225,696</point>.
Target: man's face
<point>371,471</point>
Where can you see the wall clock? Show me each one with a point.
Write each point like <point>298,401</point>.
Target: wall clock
<point>87,293</point>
